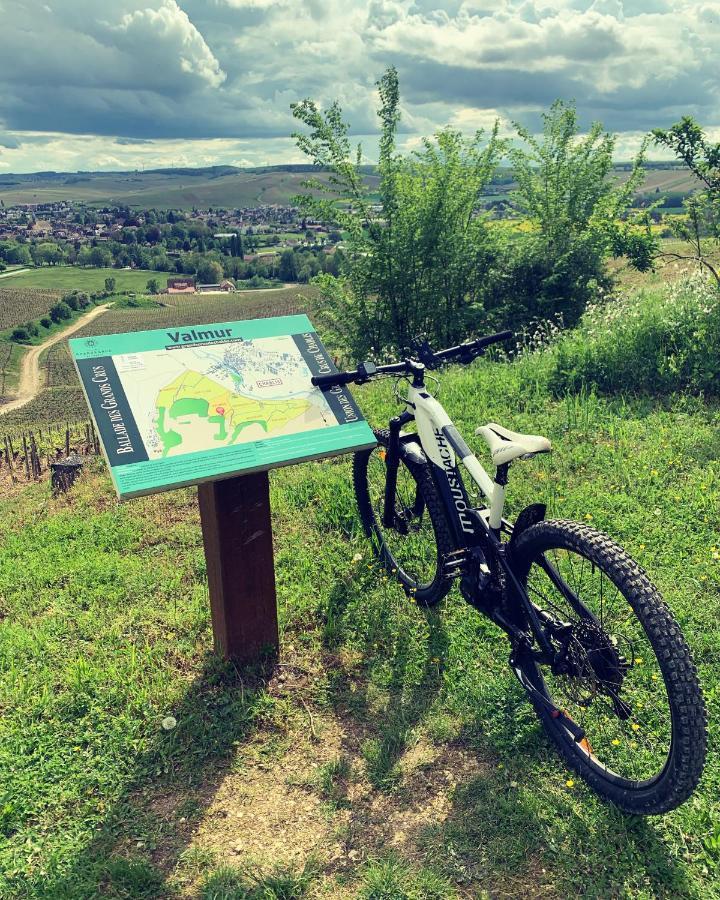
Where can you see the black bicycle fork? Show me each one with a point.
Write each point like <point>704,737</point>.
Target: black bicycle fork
<point>392,464</point>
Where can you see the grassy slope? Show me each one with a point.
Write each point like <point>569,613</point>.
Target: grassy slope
<point>148,189</point>
<point>162,190</point>
<point>71,278</point>
<point>105,632</point>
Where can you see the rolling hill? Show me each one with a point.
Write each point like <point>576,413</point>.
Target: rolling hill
<point>224,186</point>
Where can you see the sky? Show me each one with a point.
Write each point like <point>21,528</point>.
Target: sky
<point>133,84</point>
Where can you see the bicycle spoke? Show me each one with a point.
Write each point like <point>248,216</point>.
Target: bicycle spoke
<point>620,705</point>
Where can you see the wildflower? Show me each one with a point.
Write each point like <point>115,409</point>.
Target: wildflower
<point>357,557</point>
<point>569,783</point>
<point>169,722</point>
<point>615,742</point>
<point>635,726</point>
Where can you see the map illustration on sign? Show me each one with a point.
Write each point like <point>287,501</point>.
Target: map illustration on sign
<point>185,405</point>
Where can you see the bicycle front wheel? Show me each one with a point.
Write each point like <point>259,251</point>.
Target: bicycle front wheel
<point>622,677</point>
<point>412,547</point>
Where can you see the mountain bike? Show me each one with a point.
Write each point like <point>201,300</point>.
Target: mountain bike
<point>592,643</point>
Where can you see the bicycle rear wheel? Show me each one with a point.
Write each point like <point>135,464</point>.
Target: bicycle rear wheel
<point>622,678</point>
<point>413,547</point>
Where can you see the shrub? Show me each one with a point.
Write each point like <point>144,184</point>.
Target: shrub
<point>657,342</point>
<point>46,322</point>
<point>20,335</point>
<point>60,311</point>
<point>72,301</point>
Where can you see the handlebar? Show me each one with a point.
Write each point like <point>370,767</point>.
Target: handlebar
<point>464,353</point>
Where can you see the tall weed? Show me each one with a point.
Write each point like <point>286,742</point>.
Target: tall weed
<point>649,341</point>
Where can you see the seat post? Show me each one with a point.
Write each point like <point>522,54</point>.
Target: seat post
<point>498,498</point>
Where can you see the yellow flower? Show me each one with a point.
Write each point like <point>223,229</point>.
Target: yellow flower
<point>635,726</point>
<point>638,660</point>
<point>570,783</point>
<point>588,517</point>
<point>615,742</point>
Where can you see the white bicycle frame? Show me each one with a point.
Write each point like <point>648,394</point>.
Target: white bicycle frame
<point>442,445</point>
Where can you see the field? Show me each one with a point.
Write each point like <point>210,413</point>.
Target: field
<point>73,278</point>
<point>22,304</point>
<point>162,190</point>
<point>204,188</point>
<point>62,399</point>
<point>392,755</point>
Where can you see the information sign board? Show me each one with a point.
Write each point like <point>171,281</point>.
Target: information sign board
<point>185,405</point>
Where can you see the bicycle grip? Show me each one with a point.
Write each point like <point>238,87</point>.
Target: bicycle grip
<point>495,338</point>
<point>334,378</point>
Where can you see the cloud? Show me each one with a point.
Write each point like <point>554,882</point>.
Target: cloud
<point>203,71</point>
<point>148,32</point>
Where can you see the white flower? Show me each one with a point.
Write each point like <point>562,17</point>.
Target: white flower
<point>357,557</point>
<point>169,722</point>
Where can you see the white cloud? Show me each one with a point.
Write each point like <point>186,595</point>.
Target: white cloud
<point>192,73</point>
<point>169,30</point>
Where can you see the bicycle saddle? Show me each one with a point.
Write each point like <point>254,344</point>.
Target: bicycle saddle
<point>506,445</point>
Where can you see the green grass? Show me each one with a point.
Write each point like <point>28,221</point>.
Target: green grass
<point>105,631</point>
<point>655,341</point>
<point>71,278</point>
<point>11,355</point>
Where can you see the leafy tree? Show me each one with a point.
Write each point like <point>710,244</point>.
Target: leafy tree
<point>83,258</point>
<point>46,322</point>
<point>575,217</point>
<point>420,263</point>
<point>287,270</point>
<point>236,246</point>
<point>109,285</point>
<point>20,335</point>
<point>47,253</point>
<point>210,271</point>
<point>700,227</point>
<point>100,257</point>
<point>18,255</point>
<point>153,286</point>
<point>60,311</point>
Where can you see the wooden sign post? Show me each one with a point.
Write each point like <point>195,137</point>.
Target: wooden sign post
<point>218,405</point>
<point>237,533</point>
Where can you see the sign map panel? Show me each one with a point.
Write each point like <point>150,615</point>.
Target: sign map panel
<point>183,405</point>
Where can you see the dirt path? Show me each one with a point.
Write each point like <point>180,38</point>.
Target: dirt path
<point>14,272</point>
<point>30,379</point>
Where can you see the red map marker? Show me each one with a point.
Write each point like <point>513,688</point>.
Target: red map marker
<point>220,410</point>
